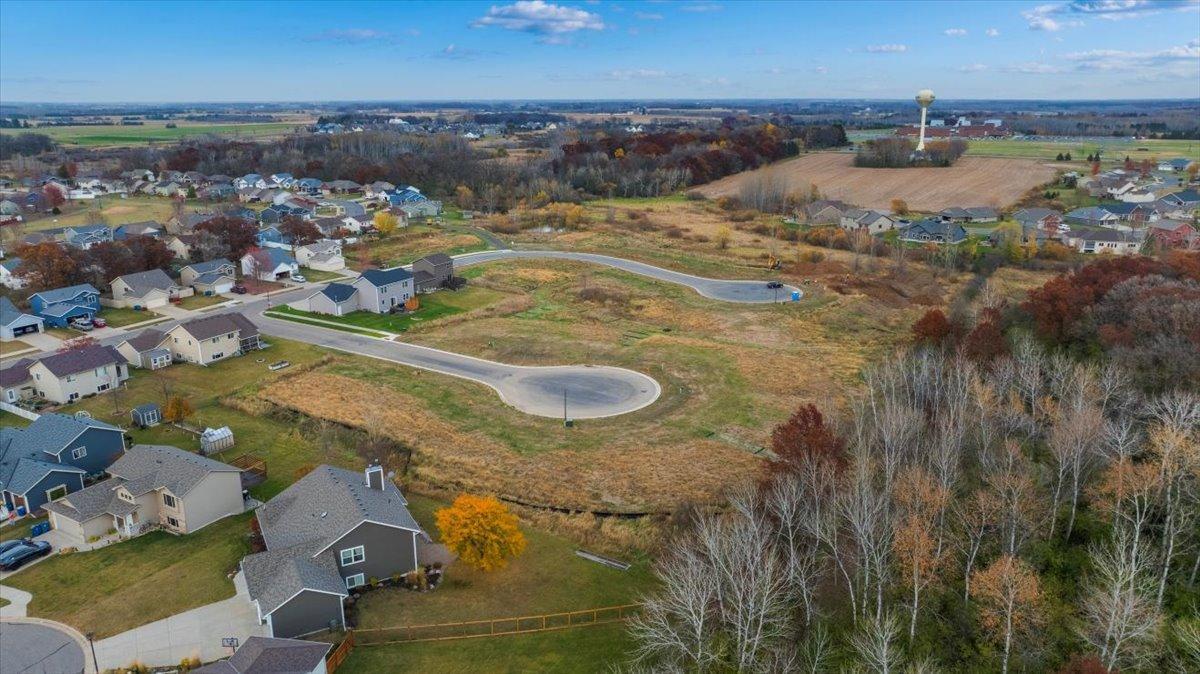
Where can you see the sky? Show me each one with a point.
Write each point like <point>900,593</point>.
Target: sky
<point>537,49</point>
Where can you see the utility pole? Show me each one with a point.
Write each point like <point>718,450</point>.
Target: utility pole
<point>564,406</point>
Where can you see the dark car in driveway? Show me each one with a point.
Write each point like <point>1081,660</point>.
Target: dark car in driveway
<point>24,552</point>
<point>239,289</point>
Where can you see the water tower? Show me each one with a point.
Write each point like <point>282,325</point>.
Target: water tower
<point>924,99</point>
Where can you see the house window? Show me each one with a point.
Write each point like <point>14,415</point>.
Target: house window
<point>79,452</point>
<point>173,522</point>
<point>56,492</point>
<point>355,580</point>
<point>168,500</point>
<point>354,555</point>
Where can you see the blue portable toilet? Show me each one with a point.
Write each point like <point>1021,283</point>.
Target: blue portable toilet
<point>795,295</point>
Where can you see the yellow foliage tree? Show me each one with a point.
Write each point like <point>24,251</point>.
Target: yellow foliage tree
<point>177,409</point>
<point>481,531</point>
<point>385,222</point>
<point>619,153</point>
<point>722,237</point>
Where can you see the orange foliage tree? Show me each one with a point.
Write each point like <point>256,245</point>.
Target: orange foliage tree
<point>481,531</point>
<point>1009,596</point>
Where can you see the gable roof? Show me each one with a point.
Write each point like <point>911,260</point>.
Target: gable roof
<point>142,282</point>
<point>210,326</point>
<point>275,576</point>
<point>271,655</point>
<point>1034,214</point>
<point>438,259</point>
<point>75,361</point>
<point>338,292</point>
<point>149,467</point>
<point>146,340</point>
<point>209,266</point>
<point>9,313</point>
<point>57,295</point>
<point>382,277</point>
<point>48,435</point>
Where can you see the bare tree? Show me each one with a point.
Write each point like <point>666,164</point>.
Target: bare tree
<point>1122,620</point>
<point>790,505</point>
<point>676,624</point>
<point>977,516</point>
<point>1009,597</point>
<point>1072,444</point>
<point>876,642</point>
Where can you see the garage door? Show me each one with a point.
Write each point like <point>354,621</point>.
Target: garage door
<point>26,329</point>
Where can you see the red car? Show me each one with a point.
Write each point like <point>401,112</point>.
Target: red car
<point>99,322</point>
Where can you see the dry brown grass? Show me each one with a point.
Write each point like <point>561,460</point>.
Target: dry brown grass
<point>972,181</point>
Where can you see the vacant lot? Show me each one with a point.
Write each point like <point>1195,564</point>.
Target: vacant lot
<point>972,181</point>
<point>157,132</point>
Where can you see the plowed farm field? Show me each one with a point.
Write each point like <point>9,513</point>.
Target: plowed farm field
<point>972,181</point>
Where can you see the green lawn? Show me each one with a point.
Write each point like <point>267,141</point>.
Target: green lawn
<point>200,301</point>
<point>120,317</point>
<point>20,529</point>
<point>121,586</point>
<point>1111,148</point>
<point>156,132</point>
<point>315,275</point>
<point>13,346</point>
<point>547,578</point>
<point>433,306</point>
<point>582,650</point>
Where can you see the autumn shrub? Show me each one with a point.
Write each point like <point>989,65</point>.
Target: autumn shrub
<point>480,531</point>
<point>933,328</point>
<point>742,216</point>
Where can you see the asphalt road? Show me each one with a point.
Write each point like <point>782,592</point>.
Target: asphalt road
<point>38,649</point>
<point>754,292</point>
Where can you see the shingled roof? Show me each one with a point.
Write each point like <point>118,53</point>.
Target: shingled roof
<point>220,324</point>
<point>81,360</point>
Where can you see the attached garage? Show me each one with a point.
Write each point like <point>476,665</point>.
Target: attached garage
<point>14,323</point>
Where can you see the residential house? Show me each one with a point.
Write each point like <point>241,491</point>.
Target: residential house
<point>1187,201</point>
<point>330,227</point>
<point>421,209</point>
<point>148,349</point>
<point>378,189</point>
<point>342,186</point>
<point>405,195</point>
<point>973,214</point>
<point>284,180</point>
<point>321,255</point>
<point>1174,234</point>
<point>432,272</point>
<point>188,222</point>
<point>1093,216</point>
<point>273,238</point>
<point>209,278</point>
<point>269,264</point>
<point>264,655</point>
<point>150,487</point>
<point>78,373</point>
<point>129,230</point>
<point>50,457</point>
<point>325,535</point>
<point>60,306</point>
<point>1095,241</point>
<point>310,186</point>
<point>825,212</point>
<point>335,299</point>
<point>181,245</point>
<point>1136,214</point>
<point>874,222</point>
<point>932,230</point>
<point>78,236</point>
<point>1042,219</point>
<point>14,323</point>
<point>383,290</point>
<point>168,188</point>
<point>146,289</point>
<point>205,340</point>
<point>8,274</point>
<point>218,192</point>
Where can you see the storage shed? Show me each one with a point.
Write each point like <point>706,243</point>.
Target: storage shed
<point>145,416</point>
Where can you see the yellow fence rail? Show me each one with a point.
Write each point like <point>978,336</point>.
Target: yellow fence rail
<point>494,627</point>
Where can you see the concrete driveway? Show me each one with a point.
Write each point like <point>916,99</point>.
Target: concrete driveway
<point>754,292</point>
<point>41,647</point>
<point>591,391</point>
<point>194,633</point>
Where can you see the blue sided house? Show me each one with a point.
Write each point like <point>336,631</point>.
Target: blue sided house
<point>406,195</point>
<point>50,458</point>
<point>59,306</point>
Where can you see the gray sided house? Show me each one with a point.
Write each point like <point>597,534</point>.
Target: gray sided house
<point>934,231</point>
<point>49,458</point>
<point>335,299</point>
<point>209,278</point>
<point>432,271</point>
<point>382,290</point>
<point>331,531</point>
<point>14,323</point>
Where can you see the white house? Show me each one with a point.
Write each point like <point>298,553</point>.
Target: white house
<point>321,255</point>
<point>269,264</point>
<point>14,323</point>
<point>8,274</point>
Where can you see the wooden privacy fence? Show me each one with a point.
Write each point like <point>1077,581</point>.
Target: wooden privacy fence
<point>495,627</point>
<point>339,653</point>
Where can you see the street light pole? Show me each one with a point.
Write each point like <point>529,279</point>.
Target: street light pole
<point>92,644</point>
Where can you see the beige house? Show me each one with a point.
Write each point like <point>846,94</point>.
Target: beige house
<point>145,289</point>
<point>206,340</point>
<point>321,255</point>
<point>146,349</point>
<point>68,376</point>
<point>150,487</point>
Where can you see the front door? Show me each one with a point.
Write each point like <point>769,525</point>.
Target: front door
<point>129,524</point>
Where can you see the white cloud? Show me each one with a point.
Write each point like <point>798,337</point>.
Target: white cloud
<point>702,7</point>
<point>1033,68</point>
<point>553,22</point>
<point>1172,59</point>
<point>648,16</point>
<point>955,32</point>
<point>992,32</point>
<point>351,36</point>
<point>972,68</point>
<point>1059,15</point>
<point>887,48</point>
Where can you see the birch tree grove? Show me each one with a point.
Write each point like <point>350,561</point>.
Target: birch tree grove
<point>946,512</point>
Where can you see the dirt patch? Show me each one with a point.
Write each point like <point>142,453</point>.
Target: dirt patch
<point>972,181</point>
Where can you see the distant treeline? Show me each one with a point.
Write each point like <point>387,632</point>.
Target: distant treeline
<point>24,144</point>
<point>898,153</point>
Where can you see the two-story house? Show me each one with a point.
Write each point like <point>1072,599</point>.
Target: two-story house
<point>382,290</point>
<point>432,272</point>
<point>202,341</point>
<point>327,534</point>
<point>151,486</point>
<point>49,458</point>
<point>59,306</point>
<point>78,373</point>
<point>146,289</point>
<point>269,264</point>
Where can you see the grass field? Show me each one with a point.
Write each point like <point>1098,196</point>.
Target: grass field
<point>121,586</point>
<point>118,317</point>
<point>585,650</point>
<point>1110,148</point>
<point>200,301</point>
<point>111,209</point>
<point>409,243</point>
<point>286,313</point>
<point>20,529</point>
<point>972,181</point>
<point>157,132</point>
<point>433,306</point>
<point>13,346</point>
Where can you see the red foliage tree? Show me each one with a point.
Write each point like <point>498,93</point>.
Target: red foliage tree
<point>148,252</point>
<point>1058,304</point>
<point>986,341</point>
<point>933,328</point>
<point>301,232</point>
<point>54,196</point>
<point>48,265</point>
<point>1186,264</point>
<point>805,437</point>
<point>237,233</point>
